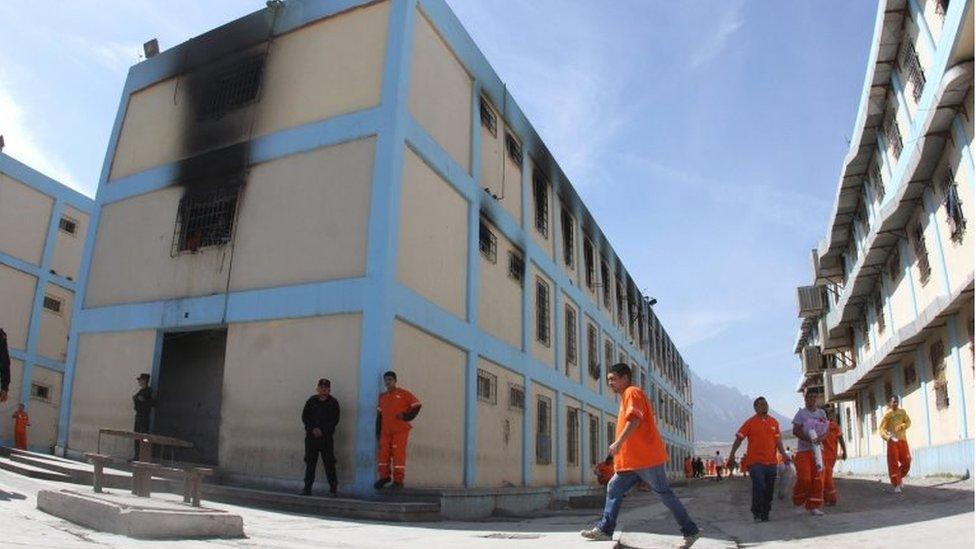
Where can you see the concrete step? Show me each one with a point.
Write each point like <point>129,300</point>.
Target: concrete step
<point>32,471</point>
<point>324,506</point>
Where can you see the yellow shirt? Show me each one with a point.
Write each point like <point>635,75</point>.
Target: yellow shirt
<point>895,422</point>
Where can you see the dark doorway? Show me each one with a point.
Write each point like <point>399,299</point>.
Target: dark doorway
<point>191,380</point>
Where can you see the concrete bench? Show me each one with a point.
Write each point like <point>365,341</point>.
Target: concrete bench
<point>144,471</point>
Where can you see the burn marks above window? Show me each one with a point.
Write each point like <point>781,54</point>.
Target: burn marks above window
<point>231,87</point>
<point>205,218</point>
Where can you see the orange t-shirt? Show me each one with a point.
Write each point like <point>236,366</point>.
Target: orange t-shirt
<point>392,403</point>
<point>21,421</point>
<point>830,441</point>
<point>762,432</point>
<point>644,448</point>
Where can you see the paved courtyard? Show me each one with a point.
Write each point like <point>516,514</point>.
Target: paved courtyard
<point>931,511</point>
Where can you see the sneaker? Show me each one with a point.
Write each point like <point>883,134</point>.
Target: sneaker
<point>816,512</point>
<point>897,489</point>
<point>381,483</point>
<point>595,534</point>
<point>690,540</point>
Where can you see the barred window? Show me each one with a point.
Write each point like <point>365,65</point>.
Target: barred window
<point>488,118</point>
<point>594,439</point>
<point>953,207</point>
<point>941,7</point>
<point>516,266</point>
<point>570,337</point>
<point>516,397</point>
<point>605,281</point>
<point>513,148</point>
<point>542,311</point>
<point>540,194</point>
<point>620,302</point>
<point>592,352</point>
<point>889,389</point>
<point>543,431</point>
<point>233,88</point>
<point>608,353</point>
<point>879,310</point>
<point>52,304</point>
<point>40,391</point>
<point>589,267</point>
<point>487,242</point>
<point>487,386</point>
<point>894,263</point>
<point>572,436</point>
<point>910,375</point>
<point>921,253</point>
<point>205,219</point>
<point>569,243</point>
<point>892,134</point>
<point>847,423</point>
<point>876,182</point>
<point>873,405</point>
<point>611,433</point>
<point>68,225</point>
<point>941,385</point>
<point>863,328</point>
<point>912,68</point>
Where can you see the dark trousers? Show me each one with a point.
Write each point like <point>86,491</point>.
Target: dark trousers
<point>141,426</point>
<point>314,447</point>
<point>763,482</point>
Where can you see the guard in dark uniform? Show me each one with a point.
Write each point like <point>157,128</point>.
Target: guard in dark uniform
<point>143,401</point>
<point>320,416</point>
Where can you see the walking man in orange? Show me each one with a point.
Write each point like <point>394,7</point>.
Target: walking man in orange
<point>397,408</point>
<point>808,490</point>
<point>762,431</point>
<point>21,422</point>
<point>893,426</point>
<point>830,456</point>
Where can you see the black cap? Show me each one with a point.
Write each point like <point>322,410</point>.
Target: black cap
<point>325,383</point>
<point>143,376</point>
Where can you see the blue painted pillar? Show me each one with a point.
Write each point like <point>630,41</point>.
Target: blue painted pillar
<point>528,441</point>
<point>560,439</point>
<point>473,281</point>
<point>922,369</point>
<point>962,410</point>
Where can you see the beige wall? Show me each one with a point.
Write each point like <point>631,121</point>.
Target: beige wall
<point>44,414</point>
<point>913,401</point>
<point>543,475</point>
<point>301,218</point>
<point>958,255</point>
<point>433,237</point>
<point>270,369</point>
<point>68,248</point>
<point>53,337</point>
<point>300,85</point>
<point>104,382</point>
<point>440,92</point>
<point>499,173</point>
<point>499,458</point>
<point>540,351</point>
<point>17,295</point>
<point>436,447</point>
<point>13,399</point>
<point>500,295</point>
<point>24,217</point>
<point>944,422</point>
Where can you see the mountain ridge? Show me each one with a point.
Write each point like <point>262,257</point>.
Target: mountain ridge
<point>719,411</point>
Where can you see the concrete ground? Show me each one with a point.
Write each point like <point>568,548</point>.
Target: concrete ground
<point>937,512</point>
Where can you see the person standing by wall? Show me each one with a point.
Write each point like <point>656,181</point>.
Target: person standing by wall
<point>893,426</point>
<point>320,417</point>
<point>639,454</point>
<point>4,367</point>
<point>21,422</point>
<point>830,456</point>
<point>143,402</point>
<point>397,408</point>
<point>808,490</point>
<point>762,431</point>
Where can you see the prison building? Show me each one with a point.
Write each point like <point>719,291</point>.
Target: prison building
<point>890,311</point>
<point>336,189</point>
<point>42,233</point>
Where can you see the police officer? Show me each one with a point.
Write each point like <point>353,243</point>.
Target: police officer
<point>143,402</point>
<point>320,416</point>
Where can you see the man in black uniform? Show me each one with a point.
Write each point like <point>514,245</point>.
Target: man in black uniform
<point>320,416</point>
<point>4,367</point>
<point>143,401</point>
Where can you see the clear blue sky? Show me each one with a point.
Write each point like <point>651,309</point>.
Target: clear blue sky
<point>706,137</point>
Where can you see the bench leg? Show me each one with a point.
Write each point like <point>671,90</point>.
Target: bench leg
<point>145,450</point>
<point>187,487</point>
<point>97,478</point>
<point>196,490</point>
<point>141,482</point>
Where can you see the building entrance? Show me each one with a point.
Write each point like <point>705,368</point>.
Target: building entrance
<point>191,379</point>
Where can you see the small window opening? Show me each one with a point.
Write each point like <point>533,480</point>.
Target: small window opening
<point>68,225</point>
<point>487,242</point>
<point>233,88</point>
<point>487,387</point>
<point>205,220</point>
<point>488,118</point>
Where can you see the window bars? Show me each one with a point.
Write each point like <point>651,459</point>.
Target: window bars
<point>953,207</point>
<point>543,432</point>
<point>921,253</point>
<point>233,88</point>
<point>542,311</point>
<point>588,264</point>
<point>487,242</point>
<point>68,225</point>
<point>569,248</point>
<point>608,353</point>
<point>514,149</point>
<point>540,193</point>
<point>487,387</point>
<point>516,397</point>
<point>910,375</point>
<point>937,359</point>
<point>592,352</point>
<point>912,68</point>
<point>570,337</point>
<point>516,266</point>
<point>877,184</point>
<point>892,134</point>
<point>594,440</point>
<point>879,310</point>
<point>52,304</point>
<point>605,281</point>
<point>572,436</point>
<point>205,219</point>
<point>488,118</point>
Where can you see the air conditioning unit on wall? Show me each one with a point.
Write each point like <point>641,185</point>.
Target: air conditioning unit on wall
<point>813,360</point>
<point>810,301</point>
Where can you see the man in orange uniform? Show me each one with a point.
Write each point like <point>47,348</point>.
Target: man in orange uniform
<point>893,428</point>
<point>808,490</point>
<point>638,454</point>
<point>21,421</point>
<point>396,410</point>
<point>762,430</point>
<point>830,456</point>
<point>687,464</point>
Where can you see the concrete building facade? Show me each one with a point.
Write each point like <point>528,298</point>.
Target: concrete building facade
<point>891,308</point>
<point>336,189</point>
<point>42,230</point>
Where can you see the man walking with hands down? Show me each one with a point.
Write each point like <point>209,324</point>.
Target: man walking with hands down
<point>638,455</point>
<point>893,426</point>
<point>320,417</point>
<point>808,490</point>
<point>762,430</point>
<point>398,407</point>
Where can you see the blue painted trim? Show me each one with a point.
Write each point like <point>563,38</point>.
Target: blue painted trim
<point>922,368</point>
<point>528,441</point>
<point>560,438</point>
<point>473,282</point>
<point>954,458</point>
<point>36,272</point>
<point>918,15</point>
<point>962,410</point>
<point>44,184</point>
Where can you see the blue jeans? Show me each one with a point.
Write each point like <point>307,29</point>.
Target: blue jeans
<point>655,477</point>
<point>763,482</point>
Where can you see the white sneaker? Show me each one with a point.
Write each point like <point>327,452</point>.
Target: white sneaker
<point>816,512</point>
<point>897,489</point>
<point>595,534</point>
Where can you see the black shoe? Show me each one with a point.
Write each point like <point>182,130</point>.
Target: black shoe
<point>397,486</point>
<point>333,491</point>
<point>764,518</point>
<point>305,492</point>
<point>381,483</point>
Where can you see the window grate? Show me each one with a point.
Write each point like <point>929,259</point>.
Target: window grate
<point>542,311</point>
<point>877,183</point>
<point>592,352</point>
<point>921,254</point>
<point>913,67</point>
<point>941,385</point>
<point>540,194</point>
<point>572,436</point>
<point>589,267</point>
<point>608,353</point>
<point>487,242</point>
<point>516,397</point>
<point>892,134</point>
<point>569,243</point>
<point>873,405</point>
<point>514,149</point>
<point>543,433</point>
<point>620,302</point>
<point>605,281</point>
<point>205,220</point>
<point>233,88</point>
<point>40,392</point>
<point>570,337</point>
<point>516,266</point>
<point>941,7</point>
<point>488,118</point>
<point>879,311</point>
<point>611,433</point>
<point>953,207</point>
<point>52,304</point>
<point>487,387</point>
<point>68,225</point>
<point>594,439</point>
<point>910,375</point>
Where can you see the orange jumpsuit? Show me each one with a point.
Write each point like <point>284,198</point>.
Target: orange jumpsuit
<point>21,421</point>
<point>687,465</point>
<point>394,432</point>
<point>830,457</point>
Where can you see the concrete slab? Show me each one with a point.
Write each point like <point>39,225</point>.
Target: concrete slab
<point>144,518</point>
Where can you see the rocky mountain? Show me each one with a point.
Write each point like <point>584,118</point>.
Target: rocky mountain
<point>720,410</point>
